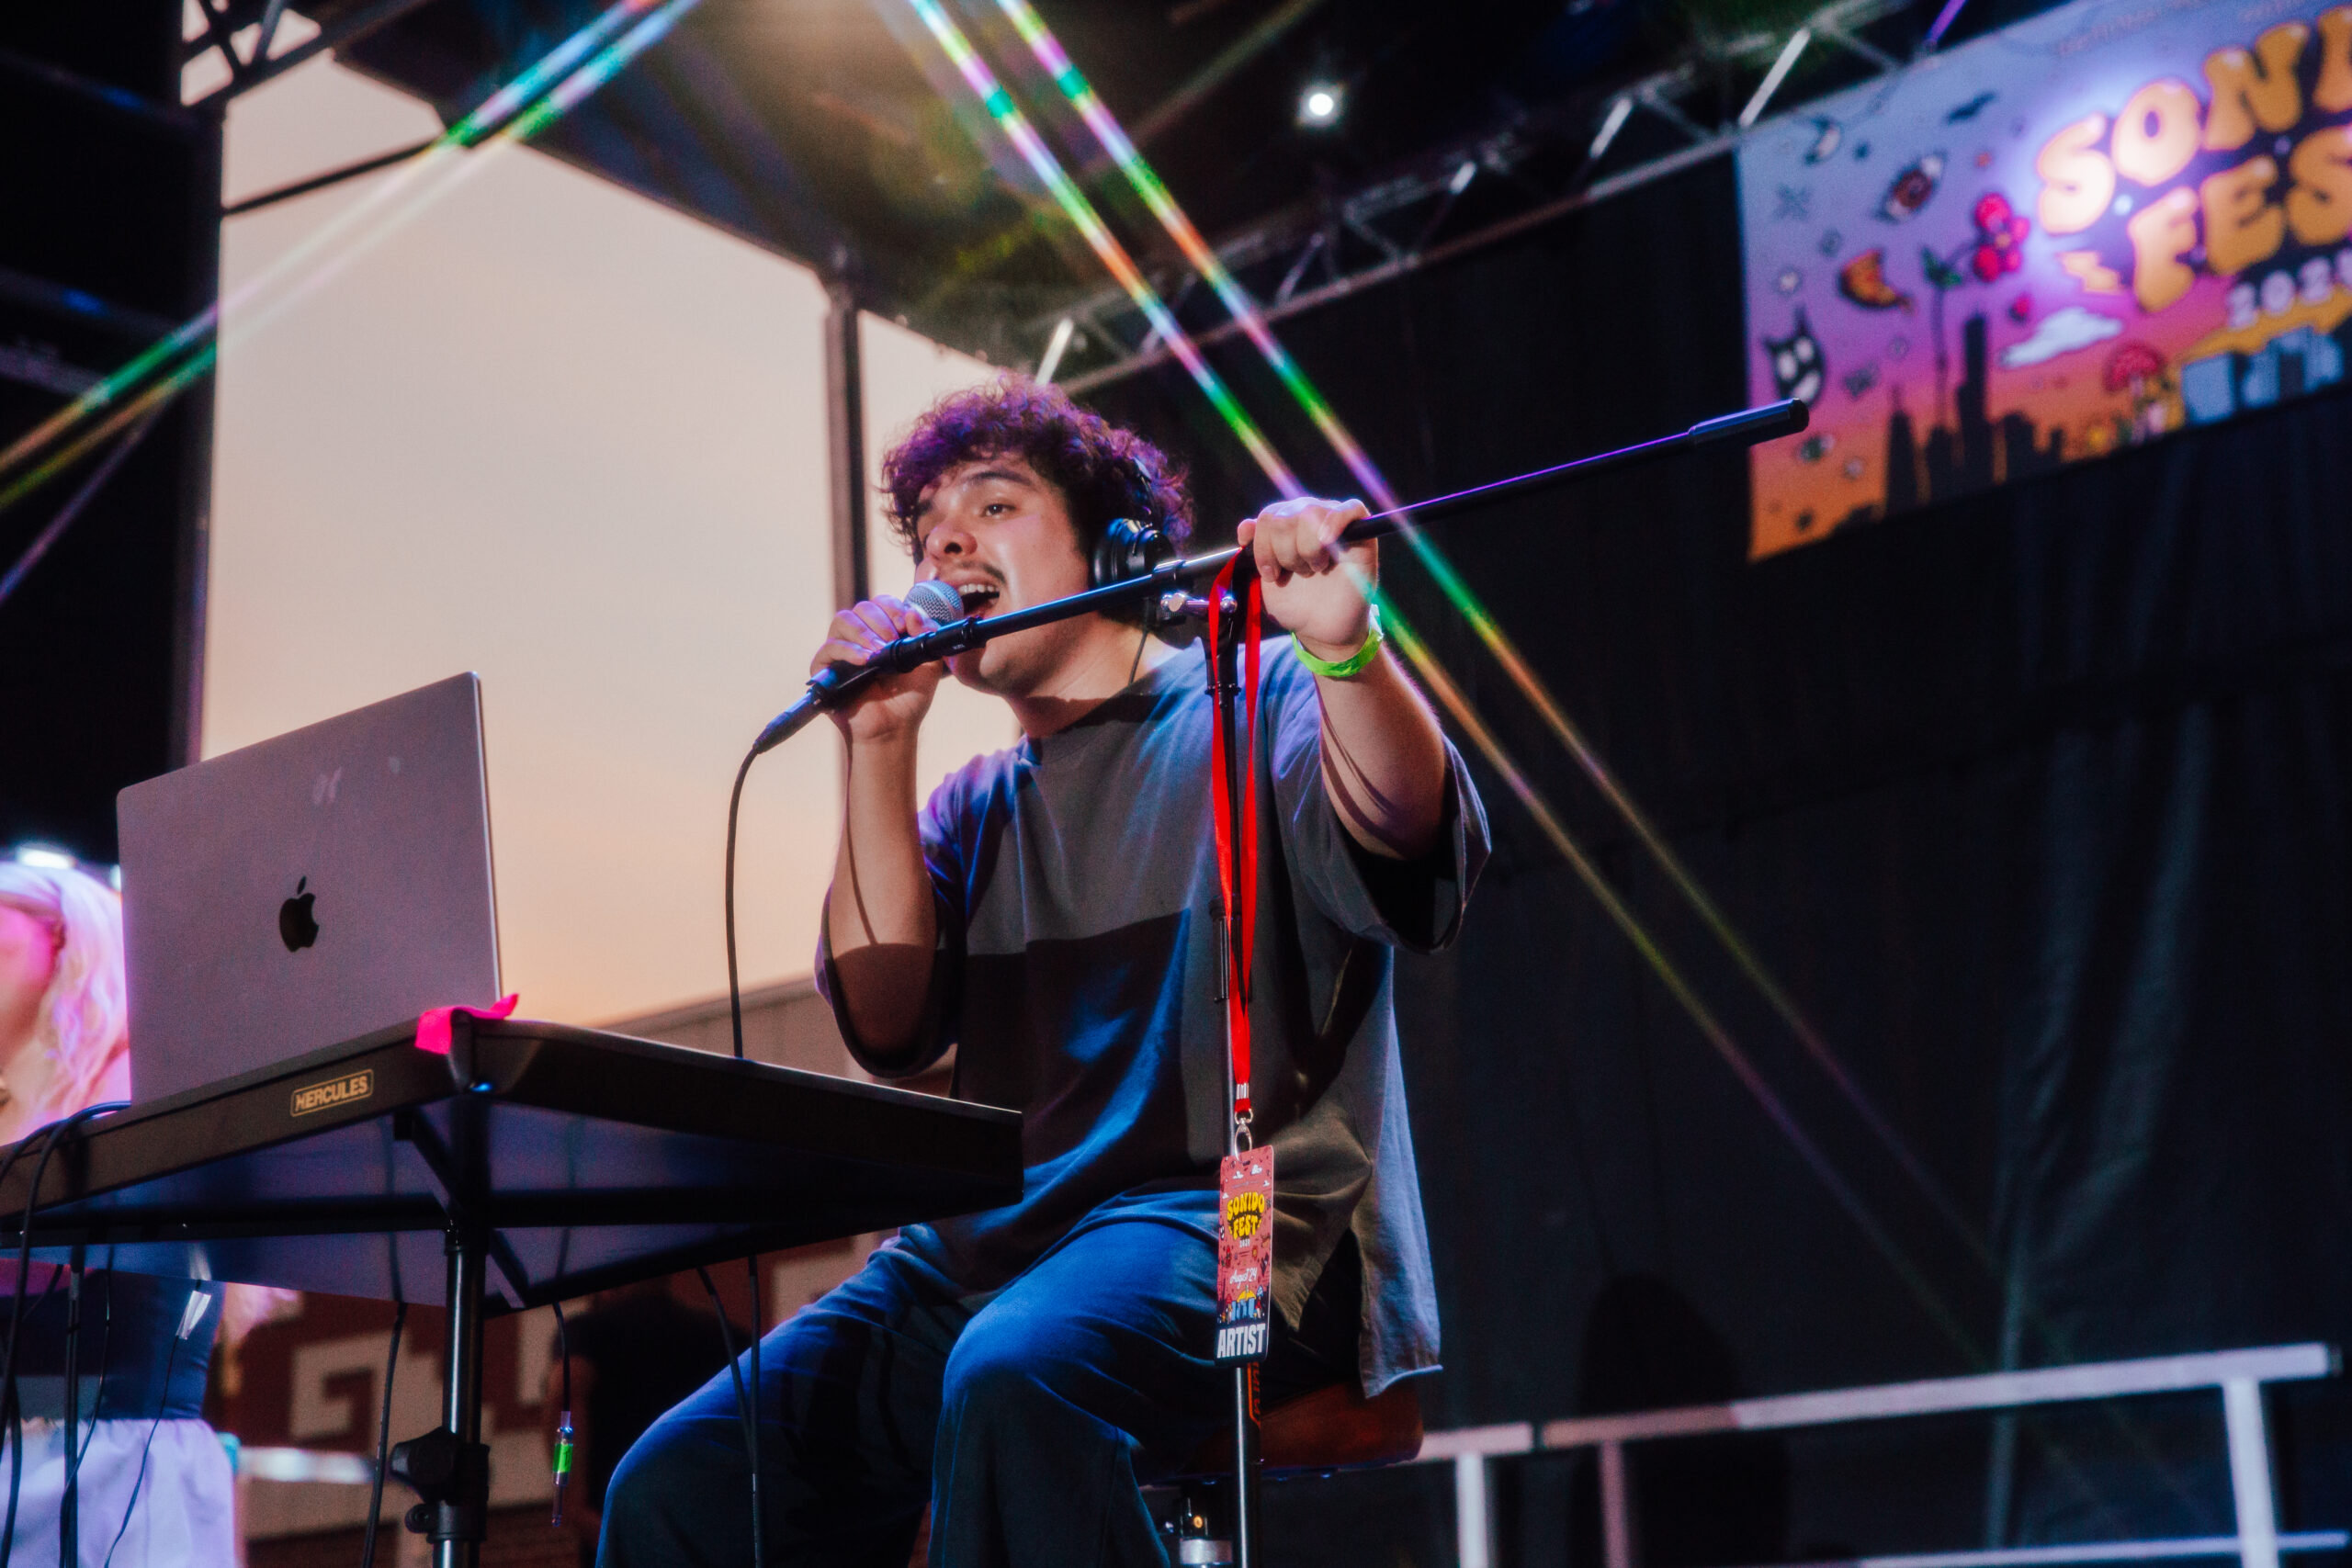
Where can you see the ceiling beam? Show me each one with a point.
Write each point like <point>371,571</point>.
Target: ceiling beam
<point>345,28</point>
<point>1303,237</point>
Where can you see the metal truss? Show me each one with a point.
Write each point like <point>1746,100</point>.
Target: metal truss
<point>224,20</point>
<point>1308,256</point>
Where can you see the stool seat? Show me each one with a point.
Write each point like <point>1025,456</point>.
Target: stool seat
<point>1331,1428</point>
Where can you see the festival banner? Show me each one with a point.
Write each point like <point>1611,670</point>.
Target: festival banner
<point>2084,231</point>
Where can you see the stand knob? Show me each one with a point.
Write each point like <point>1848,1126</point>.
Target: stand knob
<point>451,1481</point>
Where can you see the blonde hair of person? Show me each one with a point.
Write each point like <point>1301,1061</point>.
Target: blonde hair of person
<point>83,1024</point>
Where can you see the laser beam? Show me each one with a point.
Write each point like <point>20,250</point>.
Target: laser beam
<point>1056,62</point>
<point>1098,236</point>
<point>558,69</point>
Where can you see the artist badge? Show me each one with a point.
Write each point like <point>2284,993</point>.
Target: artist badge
<point>1245,1256</point>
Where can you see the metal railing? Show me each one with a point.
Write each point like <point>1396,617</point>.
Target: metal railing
<point>2239,1375</point>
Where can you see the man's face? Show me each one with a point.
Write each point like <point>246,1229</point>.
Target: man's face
<point>1002,536</point>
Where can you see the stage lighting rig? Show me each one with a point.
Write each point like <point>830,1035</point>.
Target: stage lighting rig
<point>1321,104</point>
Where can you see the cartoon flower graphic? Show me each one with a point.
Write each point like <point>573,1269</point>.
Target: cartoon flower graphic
<point>2001,238</point>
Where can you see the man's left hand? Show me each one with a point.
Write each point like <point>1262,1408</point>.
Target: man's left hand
<point>1315,585</point>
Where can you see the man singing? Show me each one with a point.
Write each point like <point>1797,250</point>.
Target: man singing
<point>1052,915</point>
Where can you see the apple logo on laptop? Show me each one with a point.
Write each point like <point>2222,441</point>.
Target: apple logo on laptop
<point>297,927</point>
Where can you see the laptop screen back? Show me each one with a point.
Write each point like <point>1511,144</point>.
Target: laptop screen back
<point>309,889</point>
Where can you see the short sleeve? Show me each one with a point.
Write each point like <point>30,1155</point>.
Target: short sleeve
<point>1416,905</point>
<point>943,829</point>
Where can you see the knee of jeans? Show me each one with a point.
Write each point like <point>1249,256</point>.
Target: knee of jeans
<point>668,1456</point>
<point>636,1478</point>
<point>995,1366</point>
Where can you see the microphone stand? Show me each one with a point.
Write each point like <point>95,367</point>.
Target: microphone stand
<point>1224,695</point>
<point>830,688</point>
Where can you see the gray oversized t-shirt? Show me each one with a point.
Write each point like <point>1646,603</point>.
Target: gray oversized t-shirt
<point>1076,976</point>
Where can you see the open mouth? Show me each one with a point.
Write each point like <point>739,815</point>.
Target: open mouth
<point>979,597</point>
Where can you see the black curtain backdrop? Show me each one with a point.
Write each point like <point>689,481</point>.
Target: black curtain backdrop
<point>2035,803</point>
<point>101,644</point>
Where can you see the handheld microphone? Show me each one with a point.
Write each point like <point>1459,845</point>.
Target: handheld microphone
<point>937,599</point>
<point>829,686</point>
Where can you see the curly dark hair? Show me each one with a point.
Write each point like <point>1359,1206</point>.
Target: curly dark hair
<point>1101,470</point>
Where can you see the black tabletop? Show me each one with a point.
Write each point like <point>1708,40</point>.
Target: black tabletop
<point>592,1159</point>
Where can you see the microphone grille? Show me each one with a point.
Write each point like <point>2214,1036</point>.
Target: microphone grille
<point>938,601</point>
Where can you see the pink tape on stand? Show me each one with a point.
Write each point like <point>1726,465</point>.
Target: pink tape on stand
<point>432,1027</point>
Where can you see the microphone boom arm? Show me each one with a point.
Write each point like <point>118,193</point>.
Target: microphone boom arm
<point>830,687</point>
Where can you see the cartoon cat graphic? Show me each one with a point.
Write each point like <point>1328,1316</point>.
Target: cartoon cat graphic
<point>1798,368</point>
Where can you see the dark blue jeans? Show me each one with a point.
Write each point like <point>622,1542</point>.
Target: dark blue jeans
<point>1027,1418</point>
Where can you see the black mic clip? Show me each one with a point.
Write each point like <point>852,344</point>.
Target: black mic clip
<point>1175,607</point>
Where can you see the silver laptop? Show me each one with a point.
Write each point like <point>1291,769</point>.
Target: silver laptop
<point>308,890</point>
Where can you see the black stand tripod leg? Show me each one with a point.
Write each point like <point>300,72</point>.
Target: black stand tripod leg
<point>458,1533</point>
<point>1245,1467</point>
<point>448,1467</point>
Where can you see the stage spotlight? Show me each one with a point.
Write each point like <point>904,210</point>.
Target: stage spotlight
<point>43,856</point>
<point>1321,104</point>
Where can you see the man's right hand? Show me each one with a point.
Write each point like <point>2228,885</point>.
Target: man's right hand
<point>892,707</point>
<point>878,916</point>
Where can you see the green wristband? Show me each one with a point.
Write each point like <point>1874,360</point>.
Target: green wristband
<point>1341,668</point>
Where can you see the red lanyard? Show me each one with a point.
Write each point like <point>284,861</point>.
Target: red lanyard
<point>1237,865</point>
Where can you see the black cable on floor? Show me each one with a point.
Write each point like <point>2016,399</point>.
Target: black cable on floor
<point>563,1424</point>
<point>564,1352</point>
<point>734,982</point>
<point>106,1357</point>
<point>383,1440</point>
<point>9,1404</point>
<point>759,1536</point>
<point>750,1406</point>
<point>139,1478</point>
<point>11,1432</point>
<point>744,1405</point>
